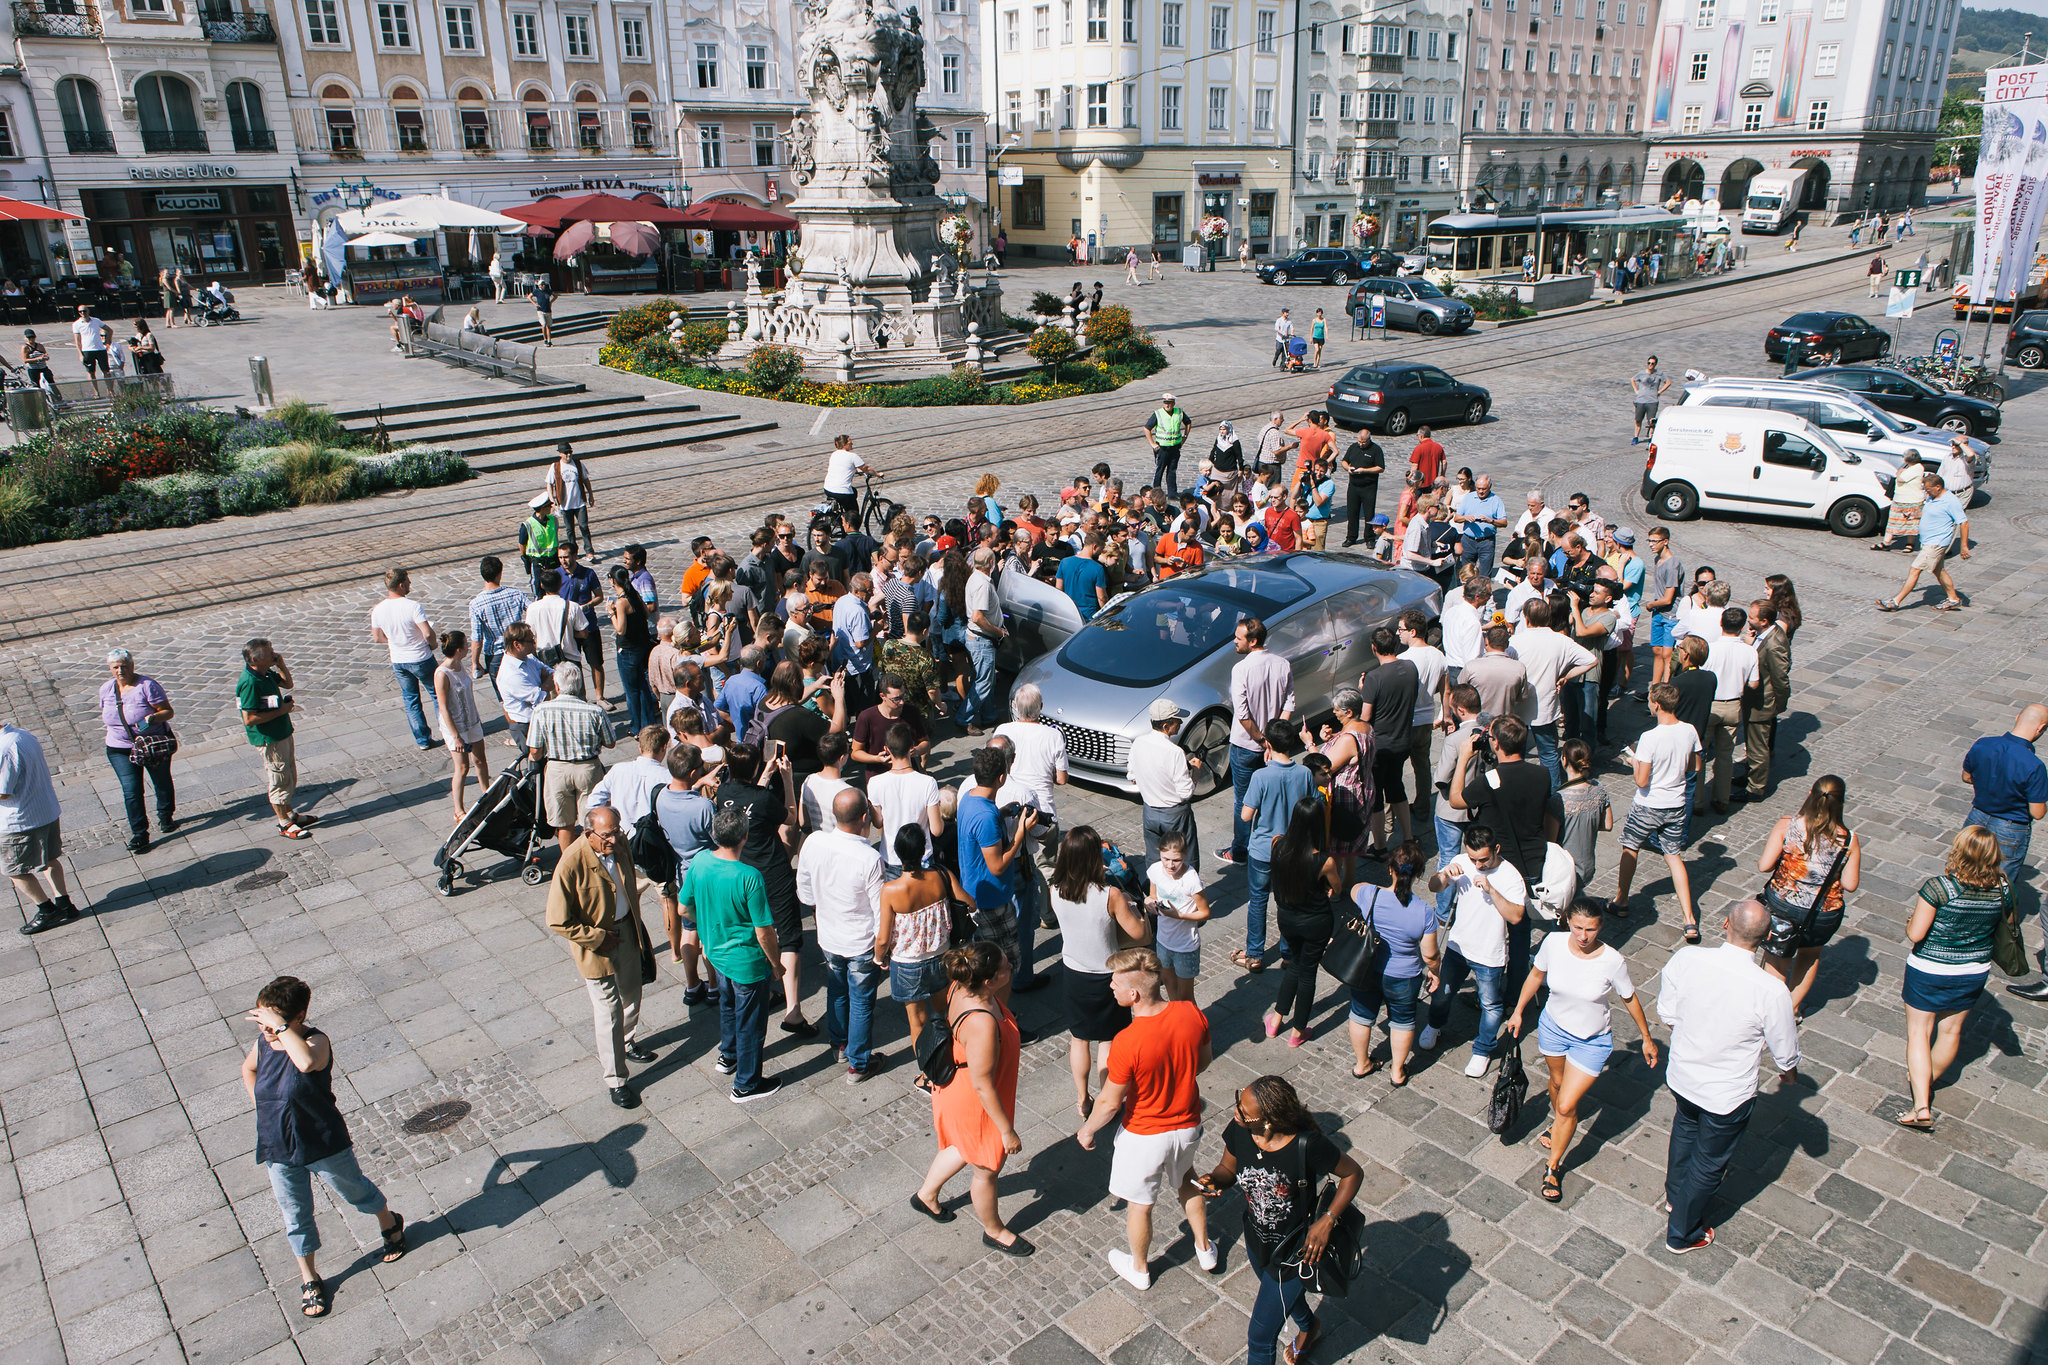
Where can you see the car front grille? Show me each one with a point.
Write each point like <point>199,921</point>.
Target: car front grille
<point>1096,748</point>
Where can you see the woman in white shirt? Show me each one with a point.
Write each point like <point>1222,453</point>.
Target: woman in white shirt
<point>1090,912</point>
<point>1574,1033</point>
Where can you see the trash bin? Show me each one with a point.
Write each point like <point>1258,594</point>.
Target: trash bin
<point>27,410</point>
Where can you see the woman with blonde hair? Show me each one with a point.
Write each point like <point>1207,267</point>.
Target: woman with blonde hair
<point>985,488</point>
<point>1813,858</point>
<point>461,726</point>
<point>1952,929</point>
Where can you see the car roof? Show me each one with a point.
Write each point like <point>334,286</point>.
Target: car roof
<point>1816,313</point>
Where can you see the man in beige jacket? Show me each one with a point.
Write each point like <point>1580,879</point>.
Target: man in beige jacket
<point>591,882</point>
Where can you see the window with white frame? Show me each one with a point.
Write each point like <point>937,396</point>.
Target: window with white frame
<point>1555,56</point>
<point>1920,71</point>
<point>1169,25</point>
<point>707,66</point>
<point>1826,59</point>
<point>1268,29</point>
<point>1697,69</point>
<point>1380,104</point>
<point>949,73</point>
<point>1691,123</point>
<point>323,23</point>
<point>1130,21</point>
<point>1635,68</point>
<point>633,39</point>
<point>1523,117</point>
<point>459,23</point>
<point>1885,67</point>
<point>1013,25</point>
<point>1315,106</point>
<point>1483,56</point>
<point>1571,115</point>
<point>711,146</point>
<point>1529,60</point>
<point>1066,106</point>
<point>1753,116</point>
<point>1130,103</point>
<point>1703,17</point>
<point>1044,101</point>
<point>1066,21</point>
<point>764,144</point>
<point>1169,108</point>
<point>1344,39</point>
<point>1386,40</point>
<point>526,34</point>
<point>757,66</point>
<point>963,149</point>
<point>1344,105</point>
<point>1817,117</point>
<point>1219,27</point>
<point>1760,63</point>
<point>1340,168</point>
<point>1098,106</point>
<point>1500,116</point>
<point>1549,115</point>
<point>1312,167</point>
<point>577,42</point>
<point>1628,123</point>
<point>1429,108</point>
<point>394,26</point>
<point>1013,111</point>
<point>1315,38</point>
<point>1767,11</point>
<point>1407,108</point>
<point>1450,47</point>
<point>8,146</point>
<point>1405,168</point>
<point>1098,21</point>
<point>1219,108</point>
<point>1262,111</point>
<point>1596,66</point>
<point>948,6</point>
<point>1837,9</point>
<point>1435,51</point>
<point>1041,26</point>
<point>1414,43</point>
<point>1576,57</point>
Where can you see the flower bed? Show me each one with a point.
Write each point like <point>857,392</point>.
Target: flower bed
<point>1121,354</point>
<point>179,464</point>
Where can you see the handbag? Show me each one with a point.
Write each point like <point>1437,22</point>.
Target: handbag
<point>1772,900</point>
<point>2008,949</point>
<point>155,746</point>
<point>935,1059</point>
<point>1510,1088</point>
<point>1332,1272</point>
<point>646,952</point>
<point>1354,943</point>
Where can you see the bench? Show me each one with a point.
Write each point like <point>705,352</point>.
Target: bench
<point>473,350</point>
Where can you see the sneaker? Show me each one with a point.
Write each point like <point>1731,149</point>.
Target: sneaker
<point>1208,1257</point>
<point>1476,1068</point>
<point>1228,859</point>
<point>1705,1239</point>
<point>699,994</point>
<point>725,1067</point>
<point>802,1028</point>
<point>1426,1040</point>
<point>761,1091</point>
<point>854,1075</point>
<point>1120,1261</point>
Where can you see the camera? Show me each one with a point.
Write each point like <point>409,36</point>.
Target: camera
<point>1482,745</point>
<point>1011,811</point>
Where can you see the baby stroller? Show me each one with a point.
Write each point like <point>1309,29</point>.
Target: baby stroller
<point>215,312</point>
<point>1297,355</point>
<point>506,820</point>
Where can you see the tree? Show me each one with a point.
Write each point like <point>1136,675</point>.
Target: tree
<point>1050,345</point>
<point>1962,124</point>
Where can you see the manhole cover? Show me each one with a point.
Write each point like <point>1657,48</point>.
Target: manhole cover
<point>256,881</point>
<point>438,1118</point>
<point>706,448</point>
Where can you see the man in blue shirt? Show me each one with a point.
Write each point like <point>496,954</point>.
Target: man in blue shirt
<point>986,857</point>
<point>1082,577</point>
<point>1268,805</point>
<point>1944,526</point>
<point>744,690</point>
<point>2008,793</point>
<point>1480,517</point>
<point>583,587</point>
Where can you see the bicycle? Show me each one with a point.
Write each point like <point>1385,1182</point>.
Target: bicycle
<point>875,512</point>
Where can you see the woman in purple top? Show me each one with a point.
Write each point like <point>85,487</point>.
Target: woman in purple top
<point>131,706</point>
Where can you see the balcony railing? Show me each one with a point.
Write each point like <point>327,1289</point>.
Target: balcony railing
<point>175,140</point>
<point>56,19</point>
<point>463,131</point>
<point>237,26</point>
<point>256,140</point>
<point>1382,130</point>
<point>87,144</point>
<point>1384,61</point>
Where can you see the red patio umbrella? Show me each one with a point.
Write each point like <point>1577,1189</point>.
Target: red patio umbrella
<point>20,210</point>
<point>737,218</point>
<point>554,214</point>
<point>634,239</point>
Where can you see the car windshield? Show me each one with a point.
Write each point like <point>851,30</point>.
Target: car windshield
<point>1370,379</point>
<point>1159,633</point>
<point>1807,322</point>
<point>1425,290</point>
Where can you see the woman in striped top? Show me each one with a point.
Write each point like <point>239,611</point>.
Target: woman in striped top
<point>1951,933</point>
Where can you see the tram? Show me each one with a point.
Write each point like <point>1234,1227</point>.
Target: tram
<point>1469,246</point>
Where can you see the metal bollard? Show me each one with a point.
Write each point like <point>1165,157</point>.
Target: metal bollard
<point>259,379</point>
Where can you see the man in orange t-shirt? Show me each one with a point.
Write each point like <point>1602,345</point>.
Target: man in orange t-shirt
<point>1151,1085</point>
<point>1428,458</point>
<point>1316,437</point>
<point>1176,552</point>
<point>702,552</point>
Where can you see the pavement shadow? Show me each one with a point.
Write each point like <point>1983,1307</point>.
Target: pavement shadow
<point>1422,1284</point>
<point>1845,966</point>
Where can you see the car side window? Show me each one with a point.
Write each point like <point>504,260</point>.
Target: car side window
<point>1410,380</point>
<point>1859,325</point>
<point>1394,291</point>
<point>1437,379</point>
<point>1853,383</point>
<point>1837,417</point>
<point>1783,448</point>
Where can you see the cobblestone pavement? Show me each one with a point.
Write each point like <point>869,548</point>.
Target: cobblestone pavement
<point>550,1227</point>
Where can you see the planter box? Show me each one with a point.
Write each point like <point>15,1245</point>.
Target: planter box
<point>1556,291</point>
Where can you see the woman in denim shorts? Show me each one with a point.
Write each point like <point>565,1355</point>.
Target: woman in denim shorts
<point>1173,891</point>
<point>1404,970</point>
<point>916,926</point>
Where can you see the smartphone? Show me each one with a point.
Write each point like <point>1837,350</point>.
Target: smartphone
<point>774,750</point>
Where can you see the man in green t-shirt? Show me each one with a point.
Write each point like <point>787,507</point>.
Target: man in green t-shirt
<point>729,900</point>
<point>264,694</point>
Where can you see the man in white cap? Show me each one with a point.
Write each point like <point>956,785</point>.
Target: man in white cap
<point>537,537</point>
<point>1163,773</point>
<point>1167,430</point>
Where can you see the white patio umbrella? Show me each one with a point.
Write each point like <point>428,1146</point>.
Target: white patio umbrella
<point>380,239</point>
<point>421,215</point>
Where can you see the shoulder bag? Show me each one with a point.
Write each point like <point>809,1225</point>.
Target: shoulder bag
<point>935,1058</point>
<point>146,747</point>
<point>556,653</point>
<point>1332,1272</point>
<point>1354,943</point>
<point>652,853</point>
<point>2008,949</point>
<point>1776,903</point>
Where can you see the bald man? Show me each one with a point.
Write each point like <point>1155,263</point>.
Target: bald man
<point>839,875</point>
<point>2008,793</point>
<point>1724,1011</point>
<point>594,903</point>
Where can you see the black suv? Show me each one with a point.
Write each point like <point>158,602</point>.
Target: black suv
<point>1842,336</point>
<point>1896,391</point>
<point>1336,264</point>
<point>2027,344</point>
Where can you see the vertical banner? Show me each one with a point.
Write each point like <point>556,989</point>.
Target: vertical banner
<point>1796,26</point>
<point>2011,158</point>
<point>1731,75</point>
<point>1667,75</point>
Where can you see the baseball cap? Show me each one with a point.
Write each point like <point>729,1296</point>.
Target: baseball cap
<point>1380,519</point>
<point>1624,536</point>
<point>540,500</point>
<point>1163,711</point>
<point>1168,398</point>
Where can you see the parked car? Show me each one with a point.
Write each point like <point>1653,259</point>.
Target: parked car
<point>2027,344</point>
<point>1896,391</point>
<point>1858,425</point>
<point>1413,303</point>
<point>1391,398</point>
<point>1829,338</point>
<point>1173,640</point>
<point>1747,460</point>
<point>1335,264</point>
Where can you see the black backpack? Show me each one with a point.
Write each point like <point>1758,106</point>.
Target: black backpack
<point>652,853</point>
<point>935,1049</point>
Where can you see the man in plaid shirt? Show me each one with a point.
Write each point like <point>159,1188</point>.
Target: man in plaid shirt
<point>568,732</point>
<point>490,613</point>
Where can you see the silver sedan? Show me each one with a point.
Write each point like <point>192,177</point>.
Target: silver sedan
<point>1173,640</point>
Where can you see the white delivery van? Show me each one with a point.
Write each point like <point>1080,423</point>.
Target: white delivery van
<point>1857,425</point>
<point>1760,462</point>
<point>1773,201</point>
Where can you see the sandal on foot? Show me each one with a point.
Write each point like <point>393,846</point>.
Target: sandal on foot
<point>1692,933</point>
<point>1926,1125</point>
<point>1370,1068</point>
<point>1552,1188</point>
<point>1948,606</point>
<point>293,831</point>
<point>1272,1023</point>
<point>1543,1139</point>
<point>314,1297</point>
<point>394,1238</point>
<point>1303,1343</point>
<point>1886,604</point>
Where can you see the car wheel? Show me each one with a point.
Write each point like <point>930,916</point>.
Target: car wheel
<point>1475,412</point>
<point>1429,324</point>
<point>1853,517</point>
<point>1676,502</point>
<point>1397,422</point>
<point>1340,279</point>
<point>1957,422</point>
<point>2030,357</point>
<point>1884,347</point>
<point>1209,740</point>
<point>1279,277</point>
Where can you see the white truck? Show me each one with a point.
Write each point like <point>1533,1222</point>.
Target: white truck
<point>1773,201</point>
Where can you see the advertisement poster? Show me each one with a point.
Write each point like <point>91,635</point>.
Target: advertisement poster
<point>1796,25</point>
<point>1667,75</point>
<point>1731,73</point>
<point>2011,160</point>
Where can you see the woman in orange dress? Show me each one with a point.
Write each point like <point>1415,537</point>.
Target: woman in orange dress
<point>972,1112</point>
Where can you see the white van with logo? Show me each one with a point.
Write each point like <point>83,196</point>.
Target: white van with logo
<point>1757,461</point>
<point>1857,425</point>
